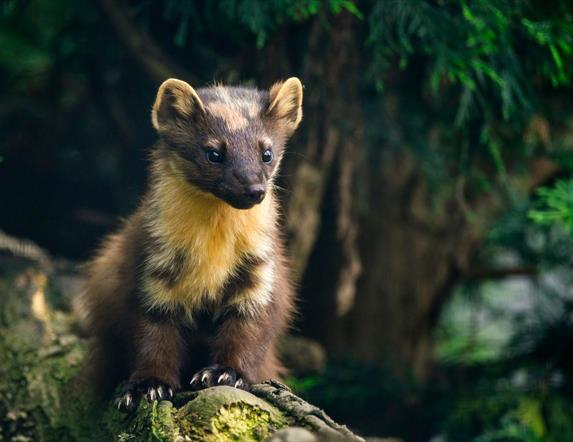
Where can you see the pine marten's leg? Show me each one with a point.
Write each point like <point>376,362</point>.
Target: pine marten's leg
<point>157,354</point>
<point>239,350</point>
<point>242,350</point>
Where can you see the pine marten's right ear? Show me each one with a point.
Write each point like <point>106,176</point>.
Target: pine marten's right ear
<point>176,100</point>
<point>285,103</point>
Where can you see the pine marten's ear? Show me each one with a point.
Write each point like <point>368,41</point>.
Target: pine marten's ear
<point>286,102</point>
<point>175,100</point>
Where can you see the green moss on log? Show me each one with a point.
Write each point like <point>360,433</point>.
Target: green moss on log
<point>215,414</point>
<point>39,357</point>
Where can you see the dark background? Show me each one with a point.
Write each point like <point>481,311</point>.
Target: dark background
<point>427,195</point>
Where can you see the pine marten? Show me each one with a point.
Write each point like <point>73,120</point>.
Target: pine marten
<point>193,291</point>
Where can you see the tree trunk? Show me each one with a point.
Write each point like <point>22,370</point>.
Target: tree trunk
<point>412,246</point>
<point>331,124</point>
<point>415,254</point>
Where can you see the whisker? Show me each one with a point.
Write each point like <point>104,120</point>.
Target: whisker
<point>282,188</point>
<point>298,154</point>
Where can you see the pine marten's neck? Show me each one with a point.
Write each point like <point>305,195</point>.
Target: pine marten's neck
<point>188,217</point>
<point>203,235</point>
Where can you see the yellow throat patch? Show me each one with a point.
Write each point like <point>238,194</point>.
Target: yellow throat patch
<point>214,237</point>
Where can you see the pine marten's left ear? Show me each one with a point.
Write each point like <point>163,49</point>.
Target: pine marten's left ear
<point>176,100</point>
<point>286,102</point>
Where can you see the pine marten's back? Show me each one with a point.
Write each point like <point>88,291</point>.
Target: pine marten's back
<point>193,290</point>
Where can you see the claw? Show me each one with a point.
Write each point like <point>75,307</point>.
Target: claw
<point>152,389</point>
<point>224,377</point>
<point>124,403</point>
<point>214,375</point>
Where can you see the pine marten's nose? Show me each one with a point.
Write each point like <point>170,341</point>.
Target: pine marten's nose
<point>255,193</point>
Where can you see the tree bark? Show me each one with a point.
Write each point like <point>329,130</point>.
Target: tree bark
<point>331,125</point>
<point>416,255</point>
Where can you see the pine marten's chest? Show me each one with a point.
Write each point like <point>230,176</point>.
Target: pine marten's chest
<point>201,244</point>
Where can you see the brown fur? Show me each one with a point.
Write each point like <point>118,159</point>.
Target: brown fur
<point>197,275</point>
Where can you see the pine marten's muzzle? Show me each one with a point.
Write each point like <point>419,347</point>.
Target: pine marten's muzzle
<point>245,197</point>
<point>241,192</point>
<point>255,193</point>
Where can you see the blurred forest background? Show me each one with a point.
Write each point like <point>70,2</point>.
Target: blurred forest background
<point>428,195</point>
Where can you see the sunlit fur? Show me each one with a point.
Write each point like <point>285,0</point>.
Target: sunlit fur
<point>198,263</point>
<point>215,237</point>
<point>286,98</point>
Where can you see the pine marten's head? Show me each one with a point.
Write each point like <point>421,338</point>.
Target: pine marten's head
<point>227,141</point>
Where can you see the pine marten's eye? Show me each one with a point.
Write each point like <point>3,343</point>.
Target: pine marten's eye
<point>214,156</point>
<point>267,156</point>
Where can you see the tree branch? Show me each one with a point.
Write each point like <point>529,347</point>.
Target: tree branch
<point>304,413</point>
<point>541,171</point>
<point>141,47</point>
<point>499,273</point>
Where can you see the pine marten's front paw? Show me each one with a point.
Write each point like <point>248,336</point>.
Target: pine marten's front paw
<point>217,375</point>
<point>152,389</point>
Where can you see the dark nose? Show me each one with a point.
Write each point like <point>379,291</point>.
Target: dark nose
<point>255,193</point>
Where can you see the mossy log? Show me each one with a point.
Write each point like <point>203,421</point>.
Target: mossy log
<point>41,354</point>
